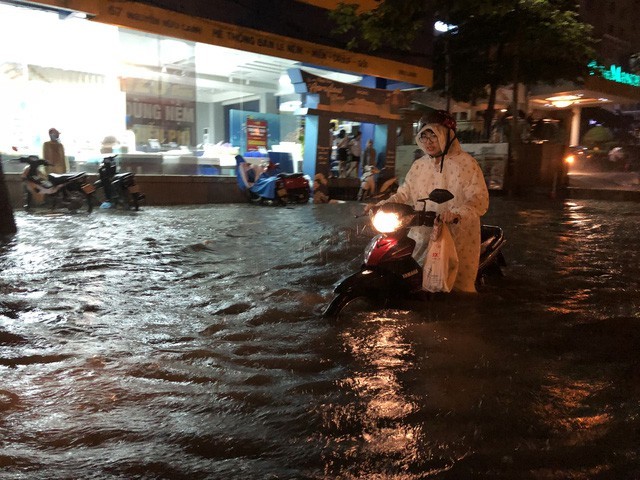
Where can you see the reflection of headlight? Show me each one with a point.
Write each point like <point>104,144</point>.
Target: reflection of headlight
<point>386,222</point>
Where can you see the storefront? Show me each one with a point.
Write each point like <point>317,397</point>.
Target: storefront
<point>169,93</point>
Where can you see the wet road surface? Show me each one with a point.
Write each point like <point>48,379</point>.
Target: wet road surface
<point>186,343</point>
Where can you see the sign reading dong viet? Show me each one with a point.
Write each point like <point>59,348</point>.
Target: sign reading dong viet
<point>256,134</point>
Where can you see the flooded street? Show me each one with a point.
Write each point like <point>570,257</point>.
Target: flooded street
<point>187,343</point>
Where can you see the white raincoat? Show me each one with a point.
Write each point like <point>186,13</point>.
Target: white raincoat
<point>462,176</point>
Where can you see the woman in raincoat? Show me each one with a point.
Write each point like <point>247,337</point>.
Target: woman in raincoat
<point>447,166</point>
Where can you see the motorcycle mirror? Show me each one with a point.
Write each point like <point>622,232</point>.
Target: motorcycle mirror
<point>440,195</point>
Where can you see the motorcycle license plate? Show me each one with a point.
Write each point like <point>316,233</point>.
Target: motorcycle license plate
<point>88,188</point>
<point>134,189</point>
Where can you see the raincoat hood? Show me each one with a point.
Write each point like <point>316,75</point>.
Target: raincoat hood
<point>441,133</point>
<point>447,141</point>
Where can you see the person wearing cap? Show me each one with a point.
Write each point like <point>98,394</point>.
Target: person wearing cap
<point>446,165</point>
<point>53,153</point>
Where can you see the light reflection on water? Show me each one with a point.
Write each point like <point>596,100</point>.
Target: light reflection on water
<point>183,343</point>
<point>382,354</point>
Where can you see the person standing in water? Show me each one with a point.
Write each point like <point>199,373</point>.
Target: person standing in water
<point>53,153</point>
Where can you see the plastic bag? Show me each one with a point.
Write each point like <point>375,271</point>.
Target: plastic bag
<point>441,261</point>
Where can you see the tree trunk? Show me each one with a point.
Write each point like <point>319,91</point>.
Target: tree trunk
<point>490,111</point>
<point>514,137</point>
<point>511,178</point>
<point>7,222</point>
<point>493,90</point>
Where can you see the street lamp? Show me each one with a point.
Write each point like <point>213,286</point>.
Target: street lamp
<point>439,29</point>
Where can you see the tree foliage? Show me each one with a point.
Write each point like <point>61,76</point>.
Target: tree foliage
<point>393,23</point>
<point>495,42</point>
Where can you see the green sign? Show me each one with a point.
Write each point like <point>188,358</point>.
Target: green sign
<point>614,73</point>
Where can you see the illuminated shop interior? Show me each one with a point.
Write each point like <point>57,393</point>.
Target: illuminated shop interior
<point>166,105</point>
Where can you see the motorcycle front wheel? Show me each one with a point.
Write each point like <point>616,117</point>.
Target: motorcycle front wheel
<point>90,199</point>
<point>130,200</point>
<point>347,304</point>
<point>136,202</point>
<point>303,198</point>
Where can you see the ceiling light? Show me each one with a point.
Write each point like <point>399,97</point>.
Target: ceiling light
<point>563,101</point>
<point>290,106</point>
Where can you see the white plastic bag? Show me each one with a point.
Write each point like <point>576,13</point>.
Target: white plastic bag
<point>441,261</point>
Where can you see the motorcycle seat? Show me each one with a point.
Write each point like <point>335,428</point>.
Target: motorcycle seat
<point>119,176</point>
<point>58,178</point>
<point>291,175</point>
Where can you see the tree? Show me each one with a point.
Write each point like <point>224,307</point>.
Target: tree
<point>495,42</point>
<point>7,222</point>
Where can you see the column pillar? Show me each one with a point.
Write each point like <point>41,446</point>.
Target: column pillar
<point>268,103</point>
<point>574,138</point>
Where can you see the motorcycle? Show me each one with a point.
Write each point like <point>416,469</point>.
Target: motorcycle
<point>119,188</point>
<point>389,272</point>
<point>69,190</point>
<point>266,184</point>
<point>369,185</point>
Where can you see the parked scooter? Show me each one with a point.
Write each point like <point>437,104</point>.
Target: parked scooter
<point>374,187</point>
<point>267,185</point>
<point>69,190</point>
<point>389,272</point>
<point>119,188</point>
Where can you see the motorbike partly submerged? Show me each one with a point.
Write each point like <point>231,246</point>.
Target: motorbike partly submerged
<point>265,184</point>
<point>66,190</point>
<point>374,186</point>
<point>120,188</point>
<point>389,273</point>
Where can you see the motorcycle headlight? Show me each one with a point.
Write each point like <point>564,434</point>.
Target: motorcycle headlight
<point>386,222</point>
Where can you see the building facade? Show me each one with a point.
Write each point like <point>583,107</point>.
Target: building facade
<point>180,87</point>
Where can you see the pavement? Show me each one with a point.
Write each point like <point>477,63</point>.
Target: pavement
<point>605,185</point>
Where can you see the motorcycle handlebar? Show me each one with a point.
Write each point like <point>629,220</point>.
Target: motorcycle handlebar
<point>34,161</point>
<point>424,218</point>
<point>428,218</point>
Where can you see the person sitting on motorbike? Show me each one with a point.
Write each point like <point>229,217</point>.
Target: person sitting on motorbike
<point>355,149</point>
<point>447,166</point>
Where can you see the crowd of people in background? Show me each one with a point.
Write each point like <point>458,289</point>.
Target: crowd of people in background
<point>350,156</point>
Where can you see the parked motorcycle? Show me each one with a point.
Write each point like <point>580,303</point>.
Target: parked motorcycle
<point>119,188</point>
<point>266,184</point>
<point>389,272</point>
<point>374,187</point>
<point>69,190</point>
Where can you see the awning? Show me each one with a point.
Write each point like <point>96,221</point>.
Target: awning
<point>594,91</point>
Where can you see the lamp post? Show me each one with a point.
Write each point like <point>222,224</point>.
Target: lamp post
<point>446,29</point>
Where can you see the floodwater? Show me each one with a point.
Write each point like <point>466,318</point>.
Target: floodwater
<point>187,343</point>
